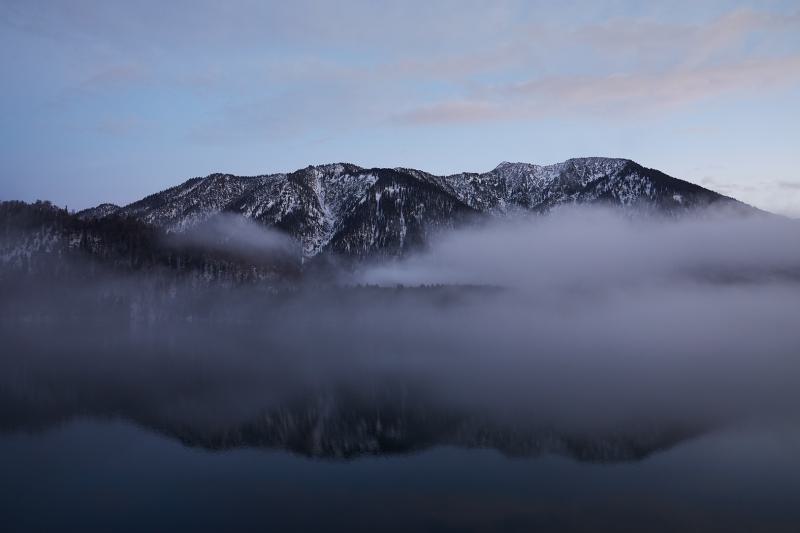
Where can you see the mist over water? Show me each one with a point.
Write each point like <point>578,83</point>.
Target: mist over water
<point>584,319</point>
<point>585,333</point>
<point>603,250</point>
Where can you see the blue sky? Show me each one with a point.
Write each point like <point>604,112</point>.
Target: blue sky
<point>112,100</point>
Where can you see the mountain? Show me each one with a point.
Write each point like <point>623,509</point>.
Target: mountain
<point>344,210</point>
<point>353,211</point>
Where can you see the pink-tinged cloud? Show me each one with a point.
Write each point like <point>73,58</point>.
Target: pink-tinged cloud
<point>688,44</point>
<point>613,93</point>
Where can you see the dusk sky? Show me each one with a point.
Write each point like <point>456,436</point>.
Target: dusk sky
<point>113,100</point>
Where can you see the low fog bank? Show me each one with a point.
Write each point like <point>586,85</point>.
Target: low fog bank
<point>238,236</point>
<point>601,249</point>
<point>583,320</point>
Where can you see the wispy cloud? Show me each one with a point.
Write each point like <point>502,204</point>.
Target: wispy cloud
<point>686,44</point>
<point>676,64</point>
<point>613,93</point>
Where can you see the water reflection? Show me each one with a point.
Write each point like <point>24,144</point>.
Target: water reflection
<point>96,476</point>
<point>128,407</point>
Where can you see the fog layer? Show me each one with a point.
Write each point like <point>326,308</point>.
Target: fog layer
<point>583,320</point>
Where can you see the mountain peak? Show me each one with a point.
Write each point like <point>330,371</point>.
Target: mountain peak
<point>581,161</point>
<point>346,209</point>
<point>506,165</point>
<point>595,161</point>
<point>100,211</point>
<point>337,168</point>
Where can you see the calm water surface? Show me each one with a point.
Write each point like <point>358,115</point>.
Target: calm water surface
<point>90,475</point>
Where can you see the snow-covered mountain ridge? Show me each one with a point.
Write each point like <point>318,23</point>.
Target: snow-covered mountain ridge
<point>346,209</point>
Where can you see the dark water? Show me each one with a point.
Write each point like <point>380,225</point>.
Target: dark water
<point>89,475</point>
<point>127,408</point>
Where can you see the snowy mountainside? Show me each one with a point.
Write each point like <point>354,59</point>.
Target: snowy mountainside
<point>358,212</point>
<point>41,239</point>
<point>100,211</point>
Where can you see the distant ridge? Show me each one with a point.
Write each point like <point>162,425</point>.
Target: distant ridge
<point>206,229</point>
<point>346,209</point>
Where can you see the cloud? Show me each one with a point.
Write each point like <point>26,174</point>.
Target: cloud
<point>778,196</point>
<point>595,248</point>
<point>677,65</point>
<point>685,44</point>
<point>238,236</point>
<point>440,63</point>
<point>605,94</point>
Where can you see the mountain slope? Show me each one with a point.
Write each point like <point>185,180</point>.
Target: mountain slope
<point>352,211</point>
<point>43,240</point>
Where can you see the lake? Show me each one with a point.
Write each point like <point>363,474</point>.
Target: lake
<point>102,475</point>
